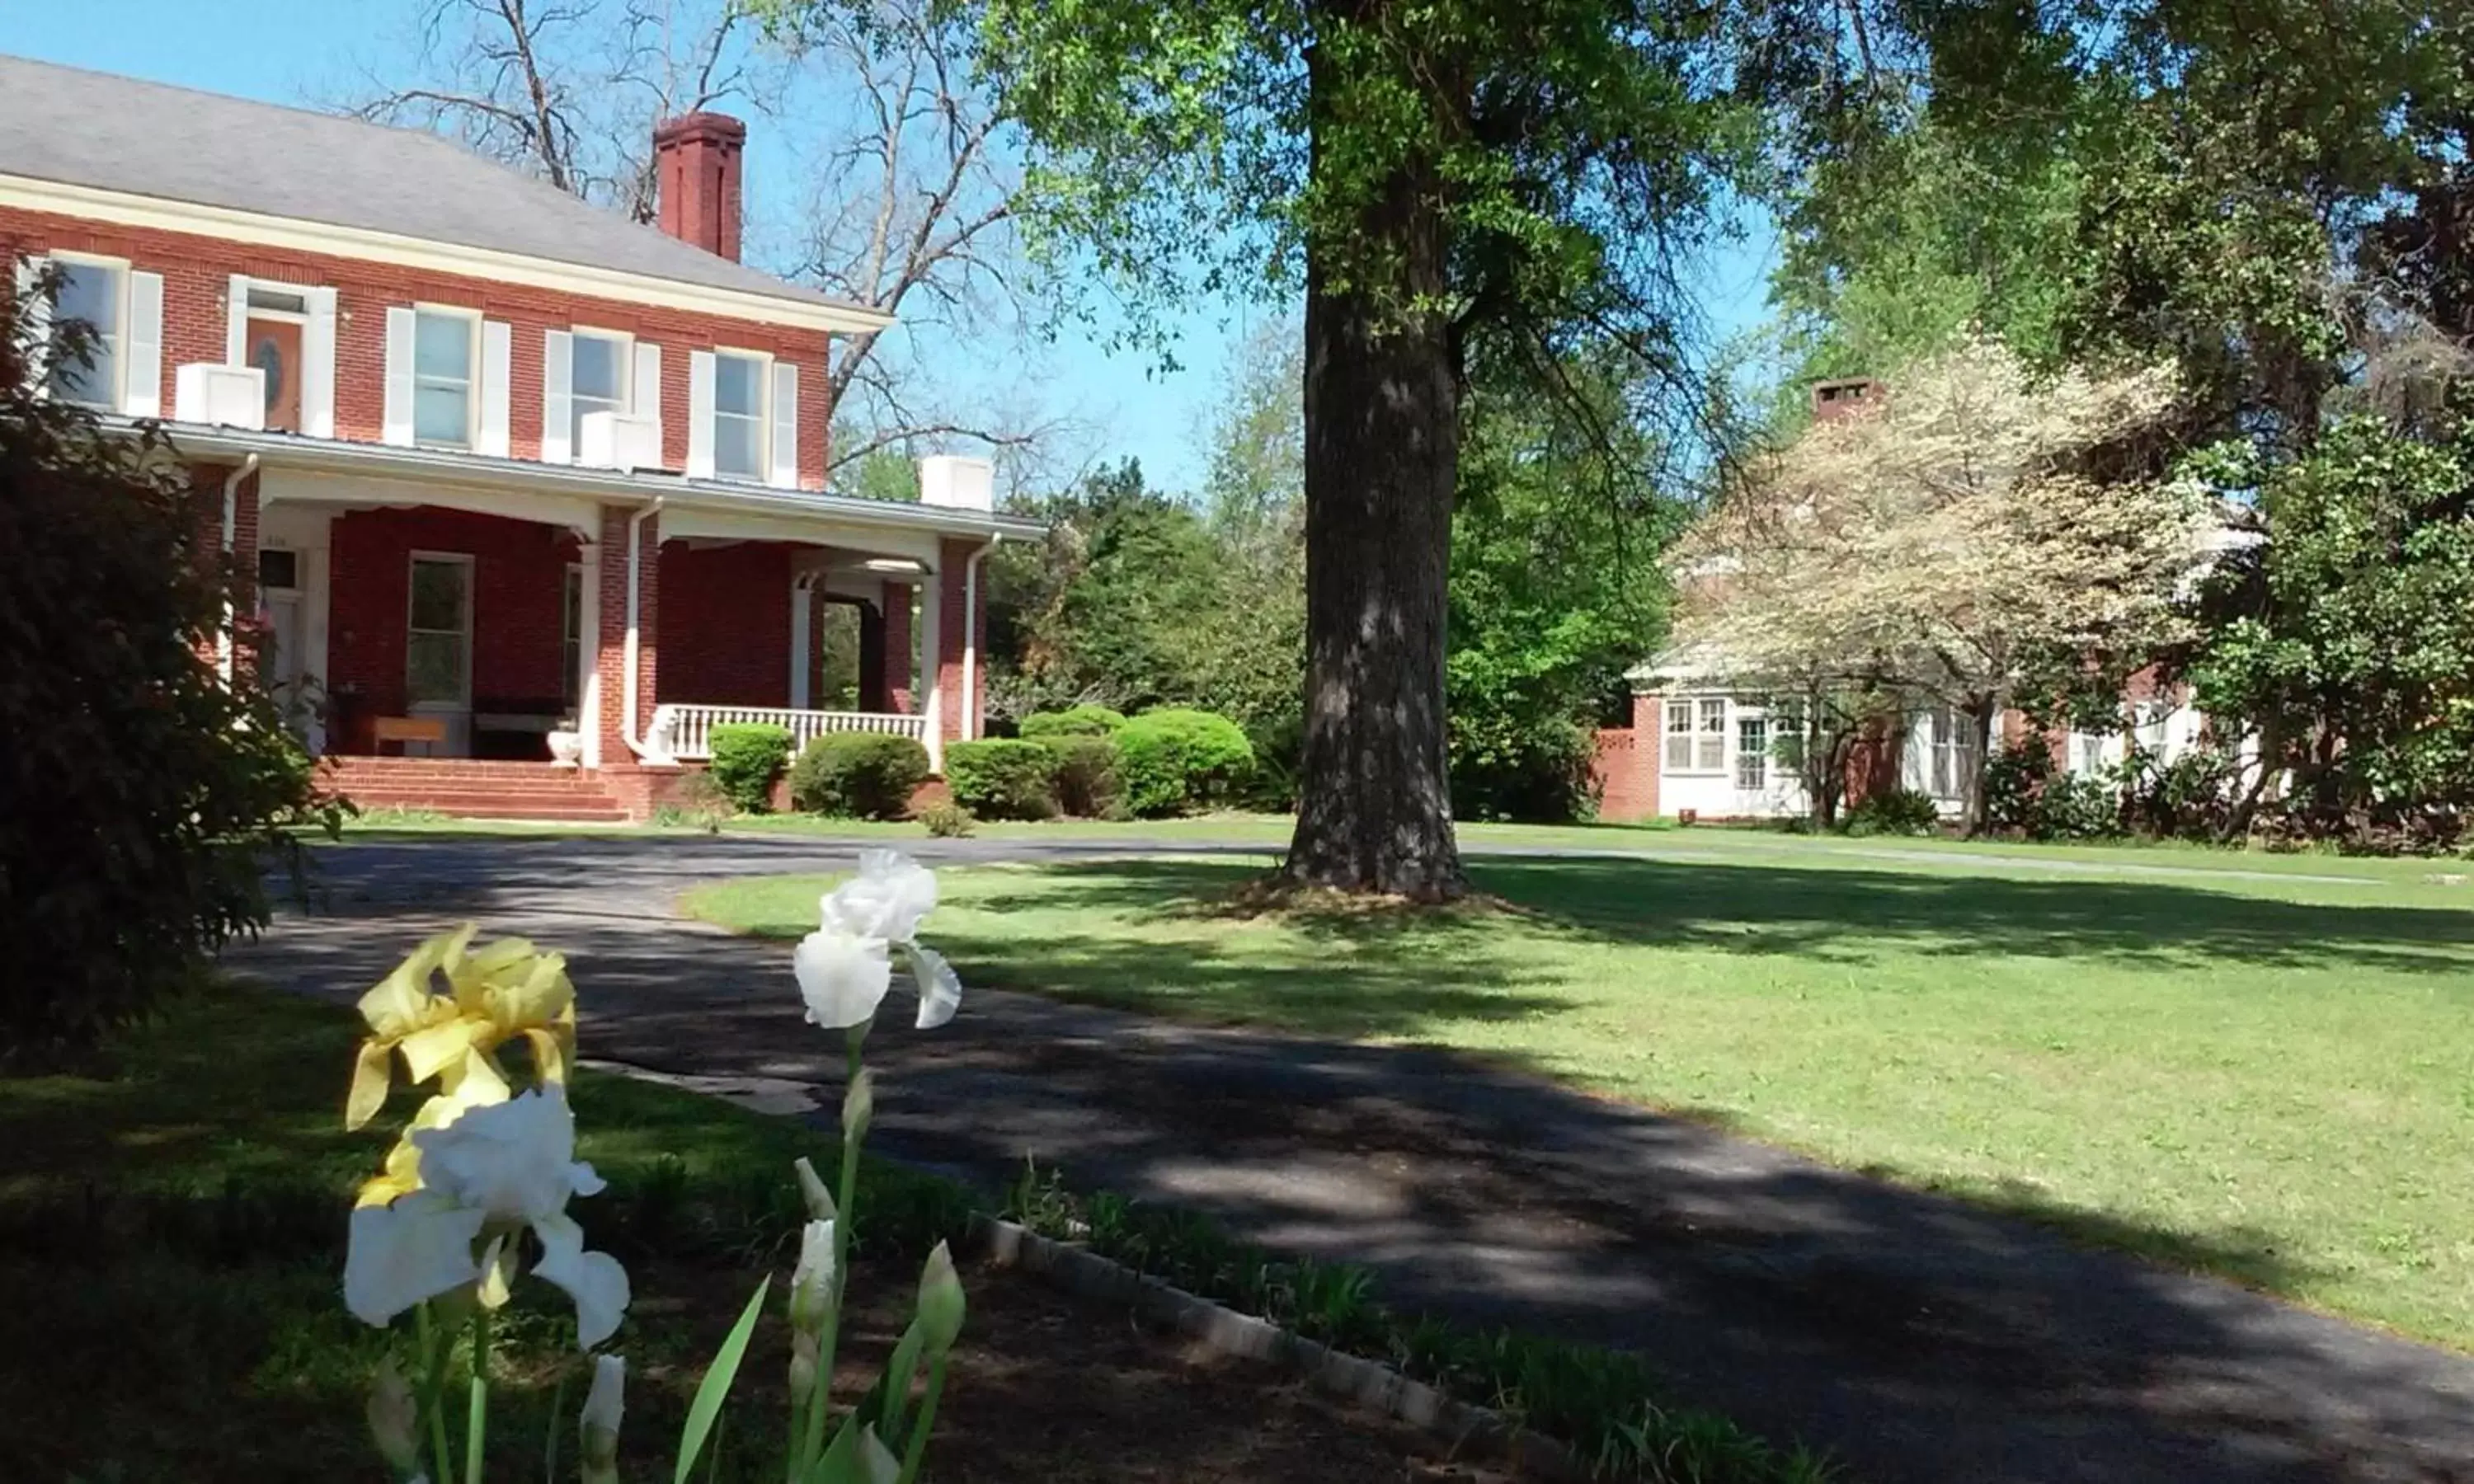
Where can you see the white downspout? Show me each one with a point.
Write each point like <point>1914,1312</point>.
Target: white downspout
<point>635,600</point>
<point>971,636</point>
<point>231,530</point>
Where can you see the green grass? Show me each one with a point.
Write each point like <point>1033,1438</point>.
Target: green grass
<point>171,1247</point>
<point>2271,1079</point>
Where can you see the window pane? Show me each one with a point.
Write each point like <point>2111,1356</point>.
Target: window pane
<point>442,345</point>
<point>438,595</point>
<point>1679,752</point>
<point>279,568</point>
<point>1678,716</point>
<point>596,367</point>
<point>1714,716</point>
<point>738,447</point>
<point>435,666</point>
<point>442,415</point>
<point>739,385</point>
<point>1712,756</point>
<point>89,292</point>
<point>1752,752</point>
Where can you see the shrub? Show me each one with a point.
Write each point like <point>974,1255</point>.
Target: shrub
<point>1177,759</point>
<point>947,820</point>
<point>1897,811</point>
<point>1075,721</point>
<point>1083,771</point>
<point>1000,777</point>
<point>2025,794</point>
<point>1279,764</point>
<point>144,797</point>
<point>2191,798</point>
<point>747,756</point>
<point>859,775</point>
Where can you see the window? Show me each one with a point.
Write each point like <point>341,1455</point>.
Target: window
<point>597,379</point>
<point>1679,735</point>
<point>442,354</point>
<point>1752,752</point>
<point>1949,737</point>
<point>738,443</point>
<point>2087,752</point>
<point>1709,747</point>
<point>571,646</point>
<point>97,294</point>
<point>277,568</point>
<point>438,645</point>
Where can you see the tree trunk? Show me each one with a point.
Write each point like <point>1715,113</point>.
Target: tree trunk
<point>1982,712</point>
<point>1382,451</point>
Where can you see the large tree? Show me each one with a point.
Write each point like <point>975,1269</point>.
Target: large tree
<point>1437,176</point>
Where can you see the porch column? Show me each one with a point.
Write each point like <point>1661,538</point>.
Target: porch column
<point>803,628</point>
<point>627,652</point>
<point>960,632</point>
<point>894,653</point>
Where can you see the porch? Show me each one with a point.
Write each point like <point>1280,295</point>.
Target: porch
<point>458,631</point>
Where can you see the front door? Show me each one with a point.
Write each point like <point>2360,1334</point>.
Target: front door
<point>438,646</point>
<point>273,347</point>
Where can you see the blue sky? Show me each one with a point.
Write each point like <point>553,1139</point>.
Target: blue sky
<point>306,51</point>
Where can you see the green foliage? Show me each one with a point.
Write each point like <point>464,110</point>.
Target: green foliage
<point>1177,759</point>
<point>1602,1402</point>
<point>698,802</point>
<point>1083,770</point>
<point>2191,798</point>
<point>1555,591</point>
<point>859,775</point>
<point>1075,721</point>
<point>747,756</point>
<point>1893,811</point>
<point>1002,778</point>
<point>145,797</point>
<point>947,820</point>
<point>2025,794</point>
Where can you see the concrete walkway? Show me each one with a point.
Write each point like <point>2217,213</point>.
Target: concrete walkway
<point>1916,1338</point>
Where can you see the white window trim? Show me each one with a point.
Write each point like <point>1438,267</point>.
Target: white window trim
<point>119,335</point>
<point>1689,705</point>
<point>763,474</point>
<point>472,572</point>
<point>1740,718</point>
<point>472,319</point>
<point>626,402</point>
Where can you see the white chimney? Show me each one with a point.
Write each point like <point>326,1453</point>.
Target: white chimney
<point>957,483</point>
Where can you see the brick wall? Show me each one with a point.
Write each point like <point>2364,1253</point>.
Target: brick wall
<point>518,576</point>
<point>726,635</point>
<point>1625,764</point>
<point>197,292</point>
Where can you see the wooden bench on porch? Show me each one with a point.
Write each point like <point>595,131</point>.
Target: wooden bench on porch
<point>430,730</point>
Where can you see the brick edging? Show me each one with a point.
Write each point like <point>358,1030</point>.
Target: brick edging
<point>1224,1330</point>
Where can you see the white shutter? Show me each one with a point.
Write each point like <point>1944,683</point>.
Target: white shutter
<point>236,322</point>
<point>497,366</point>
<point>645,393</point>
<point>786,426</point>
<point>38,322</point>
<point>558,412</point>
<point>142,347</point>
<point>398,429</point>
<point>700,414</point>
<point>318,365</point>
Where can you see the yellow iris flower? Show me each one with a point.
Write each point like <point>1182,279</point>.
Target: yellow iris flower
<point>497,992</point>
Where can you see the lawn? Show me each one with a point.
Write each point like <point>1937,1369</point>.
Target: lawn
<point>2216,1061</point>
<point>171,1233</point>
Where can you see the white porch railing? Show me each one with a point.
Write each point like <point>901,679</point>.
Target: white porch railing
<point>683,733</point>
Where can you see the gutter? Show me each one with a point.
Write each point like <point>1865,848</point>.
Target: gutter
<point>971,635</point>
<point>231,531</point>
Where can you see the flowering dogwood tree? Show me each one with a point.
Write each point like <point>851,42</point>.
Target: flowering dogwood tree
<point>1945,540</point>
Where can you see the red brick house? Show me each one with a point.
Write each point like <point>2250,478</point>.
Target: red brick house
<point>516,476</point>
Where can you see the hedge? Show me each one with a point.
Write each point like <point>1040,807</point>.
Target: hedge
<point>1083,772</point>
<point>1001,778</point>
<point>747,756</point>
<point>1075,721</point>
<point>1175,760</point>
<point>864,775</point>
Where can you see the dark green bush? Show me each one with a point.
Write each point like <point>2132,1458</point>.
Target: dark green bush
<point>2191,798</point>
<point>859,775</point>
<point>747,756</point>
<point>1177,759</point>
<point>144,797</point>
<point>2025,794</point>
<point>1279,765</point>
<point>1897,811</point>
<point>1002,778</point>
<point>1075,721</point>
<point>1084,774</point>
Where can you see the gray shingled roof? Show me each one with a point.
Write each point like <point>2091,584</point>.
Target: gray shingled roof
<point>95,129</point>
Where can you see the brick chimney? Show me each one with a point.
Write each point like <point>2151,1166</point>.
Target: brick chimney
<point>1830,399</point>
<point>696,171</point>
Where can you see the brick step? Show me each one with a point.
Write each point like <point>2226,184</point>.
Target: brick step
<point>472,767</point>
<point>569,784</point>
<point>456,795</point>
<point>537,813</point>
